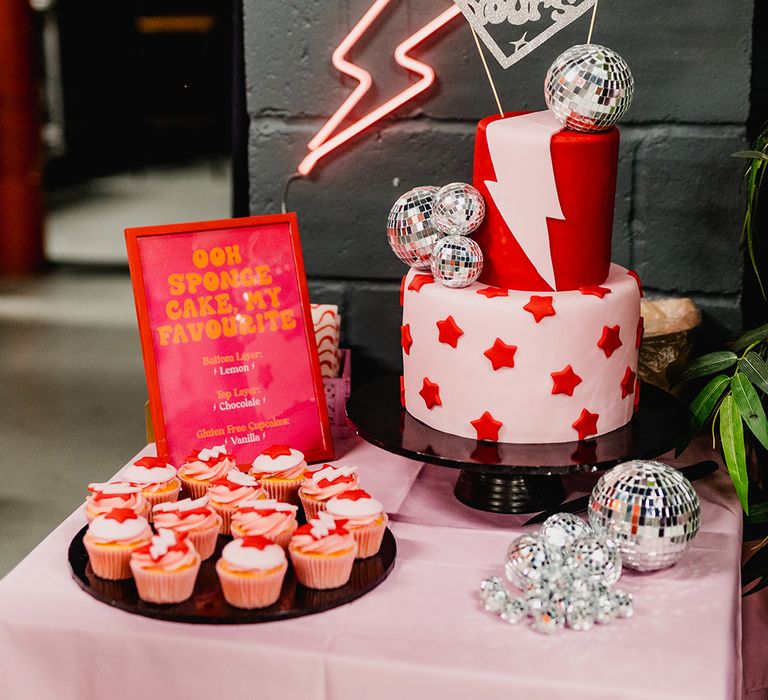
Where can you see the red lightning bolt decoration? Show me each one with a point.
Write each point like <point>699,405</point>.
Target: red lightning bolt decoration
<point>323,143</point>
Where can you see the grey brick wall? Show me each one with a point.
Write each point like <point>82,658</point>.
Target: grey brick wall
<point>678,204</point>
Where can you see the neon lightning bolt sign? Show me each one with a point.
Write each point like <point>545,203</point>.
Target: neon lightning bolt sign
<point>323,142</point>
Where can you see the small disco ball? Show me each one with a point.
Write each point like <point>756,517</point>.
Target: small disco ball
<point>409,227</point>
<point>459,209</point>
<point>530,560</point>
<point>594,558</point>
<point>457,261</point>
<point>589,88</point>
<point>563,529</point>
<point>649,510</point>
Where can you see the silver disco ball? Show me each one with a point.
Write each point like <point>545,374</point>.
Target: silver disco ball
<point>459,209</point>
<point>457,261</point>
<point>596,558</point>
<point>530,560</point>
<point>409,227</point>
<point>589,88</point>
<point>563,529</point>
<point>649,510</point>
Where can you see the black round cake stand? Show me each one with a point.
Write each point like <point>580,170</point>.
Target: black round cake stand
<point>207,604</point>
<point>512,478</point>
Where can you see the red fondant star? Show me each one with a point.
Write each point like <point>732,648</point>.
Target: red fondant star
<point>256,541</point>
<point>492,292</point>
<point>487,427</point>
<point>586,424</point>
<point>540,307</point>
<point>595,290</point>
<point>353,495</point>
<point>405,338</point>
<point>277,451</point>
<point>565,381</point>
<point>402,290</point>
<point>402,391</point>
<point>640,332</point>
<point>449,331</point>
<point>419,281</point>
<point>632,273</point>
<point>150,462</point>
<point>628,383</point>
<point>610,341</point>
<point>430,392</point>
<point>501,355</point>
<point>121,514</point>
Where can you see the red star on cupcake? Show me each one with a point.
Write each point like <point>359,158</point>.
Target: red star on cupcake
<point>405,338</point>
<point>501,355</point>
<point>628,383</point>
<point>540,307</point>
<point>586,424</point>
<point>419,281</point>
<point>492,292</point>
<point>121,514</point>
<point>449,331</point>
<point>277,451</point>
<point>610,341</point>
<point>430,392</point>
<point>487,427</point>
<point>565,381</point>
<point>595,290</point>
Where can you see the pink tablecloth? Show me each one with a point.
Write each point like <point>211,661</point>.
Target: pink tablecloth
<point>421,634</point>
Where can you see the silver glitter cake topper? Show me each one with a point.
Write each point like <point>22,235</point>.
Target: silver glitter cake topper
<point>535,20</point>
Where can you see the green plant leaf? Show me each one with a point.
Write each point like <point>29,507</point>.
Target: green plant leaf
<point>759,155</point>
<point>702,407</point>
<point>750,408</point>
<point>751,337</point>
<point>709,364</point>
<point>732,437</point>
<point>756,370</point>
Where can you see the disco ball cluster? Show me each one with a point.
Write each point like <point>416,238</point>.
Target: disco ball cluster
<point>428,227</point>
<point>589,88</point>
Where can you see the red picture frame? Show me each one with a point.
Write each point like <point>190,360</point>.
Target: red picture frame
<point>174,352</point>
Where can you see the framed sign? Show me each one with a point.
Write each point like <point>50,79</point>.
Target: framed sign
<point>227,337</point>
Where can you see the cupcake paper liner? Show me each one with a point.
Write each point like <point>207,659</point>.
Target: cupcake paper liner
<point>204,541</point>
<point>154,498</point>
<point>110,561</point>
<point>312,506</point>
<point>368,538</point>
<point>282,539</point>
<point>163,587</point>
<point>286,490</point>
<point>251,591</point>
<point>226,513</point>
<point>322,571</point>
<point>193,487</point>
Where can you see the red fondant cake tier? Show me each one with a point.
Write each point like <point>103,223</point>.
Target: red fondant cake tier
<point>517,157</point>
<point>524,367</point>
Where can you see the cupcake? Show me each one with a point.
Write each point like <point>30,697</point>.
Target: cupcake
<point>111,538</point>
<point>365,519</point>
<point>251,572</point>
<point>230,492</point>
<point>158,480</point>
<point>267,518</point>
<point>115,494</point>
<point>325,483</point>
<point>165,569</point>
<point>323,552</point>
<point>281,470</point>
<point>194,518</point>
<point>203,467</point>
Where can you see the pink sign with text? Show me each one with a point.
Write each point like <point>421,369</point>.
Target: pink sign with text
<point>227,338</point>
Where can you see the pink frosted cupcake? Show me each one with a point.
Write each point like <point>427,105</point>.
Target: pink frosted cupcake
<point>194,518</point>
<point>203,467</point>
<point>365,519</point>
<point>165,569</point>
<point>115,494</point>
<point>111,538</point>
<point>230,492</point>
<point>281,470</point>
<point>319,486</point>
<point>267,518</point>
<point>158,480</point>
<point>251,572</point>
<point>323,552</point>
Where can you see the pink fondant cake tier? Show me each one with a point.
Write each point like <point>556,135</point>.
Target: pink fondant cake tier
<point>520,366</point>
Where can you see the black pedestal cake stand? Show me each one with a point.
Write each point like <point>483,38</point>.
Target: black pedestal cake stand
<point>512,478</point>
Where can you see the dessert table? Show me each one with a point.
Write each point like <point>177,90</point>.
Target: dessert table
<point>421,634</point>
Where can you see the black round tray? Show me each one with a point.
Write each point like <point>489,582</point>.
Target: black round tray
<point>207,605</point>
<point>505,477</point>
